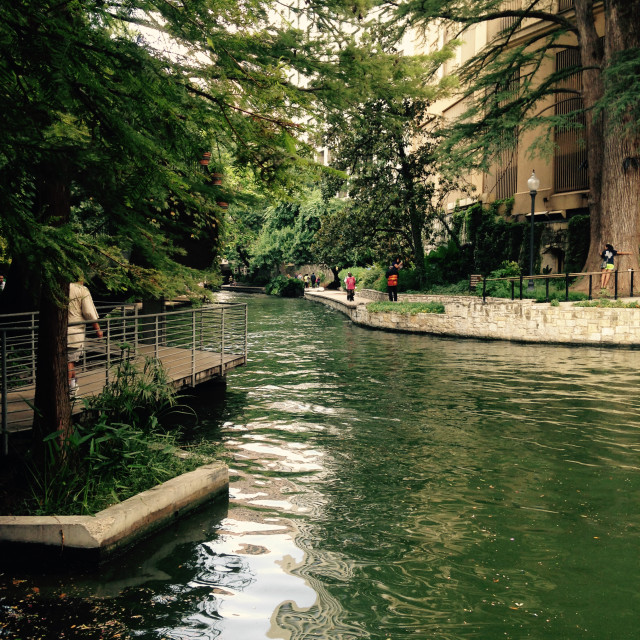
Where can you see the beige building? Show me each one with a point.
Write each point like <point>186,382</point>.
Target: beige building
<point>563,175</point>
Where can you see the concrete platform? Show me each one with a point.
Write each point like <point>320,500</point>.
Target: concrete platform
<point>90,540</point>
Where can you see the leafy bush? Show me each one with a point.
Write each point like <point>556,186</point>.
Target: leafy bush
<point>578,240</point>
<point>447,264</point>
<point>456,289</point>
<point>116,450</point>
<point>559,295</point>
<point>410,308</point>
<point>366,277</point>
<point>501,288</point>
<point>132,392</point>
<point>286,287</point>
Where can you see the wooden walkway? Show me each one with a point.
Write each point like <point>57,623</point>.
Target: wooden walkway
<point>192,344</point>
<point>176,362</point>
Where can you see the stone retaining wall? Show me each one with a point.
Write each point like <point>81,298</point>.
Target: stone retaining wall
<point>499,319</point>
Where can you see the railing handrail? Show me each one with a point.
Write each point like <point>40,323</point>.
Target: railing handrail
<point>543,276</point>
<point>212,327</point>
<point>565,276</point>
<point>113,307</point>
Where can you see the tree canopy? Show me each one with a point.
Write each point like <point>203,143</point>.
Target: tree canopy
<point>106,109</point>
<point>397,182</point>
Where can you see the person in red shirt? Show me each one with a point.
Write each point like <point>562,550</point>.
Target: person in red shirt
<point>350,281</point>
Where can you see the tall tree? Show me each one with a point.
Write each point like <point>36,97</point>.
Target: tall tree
<point>609,59</point>
<point>397,183</point>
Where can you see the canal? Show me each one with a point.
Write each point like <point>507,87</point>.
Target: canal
<point>391,486</point>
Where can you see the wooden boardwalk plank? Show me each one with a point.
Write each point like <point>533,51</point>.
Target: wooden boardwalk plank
<point>182,370</point>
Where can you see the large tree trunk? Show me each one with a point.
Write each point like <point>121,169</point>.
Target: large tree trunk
<point>416,216</point>
<point>52,406</point>
<point>52,410</point>
<point>614,190</point>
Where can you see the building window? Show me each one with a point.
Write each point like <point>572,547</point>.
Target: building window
<point>502,180</point>
<point>570,159</point>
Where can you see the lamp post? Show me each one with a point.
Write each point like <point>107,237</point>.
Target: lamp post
<point>533,183</point>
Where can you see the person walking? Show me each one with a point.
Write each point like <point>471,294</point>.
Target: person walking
<point>608,254</point>
<point>350,281</point>
<point>392,280</point>
<point>313,280</point>
<point>81,310</point>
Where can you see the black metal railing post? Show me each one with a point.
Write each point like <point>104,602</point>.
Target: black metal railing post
<point>5,393</point>
<point>521,281</point>
<point>615,285</point>
<point>546,289</point>
<point>566,287</point>
<point>590,286</point>
<point>484,289</point>
<point>631,285</point>
<point>513,290</point>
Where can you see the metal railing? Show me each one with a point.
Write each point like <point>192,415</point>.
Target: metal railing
<point>568,279</point>
<point>187,341</point>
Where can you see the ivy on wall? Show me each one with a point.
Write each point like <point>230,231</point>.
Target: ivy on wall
<point>495,239</point>
<point>483,239</point>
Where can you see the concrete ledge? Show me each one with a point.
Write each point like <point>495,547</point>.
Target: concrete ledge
<point>95,538</point>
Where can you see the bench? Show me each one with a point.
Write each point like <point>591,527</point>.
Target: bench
<point>474,280</point>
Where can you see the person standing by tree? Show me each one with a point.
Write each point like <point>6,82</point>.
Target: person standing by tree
<point>607,255</point>
<point>392,280</point>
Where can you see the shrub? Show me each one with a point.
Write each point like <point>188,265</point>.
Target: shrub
<point>447,264</point>
<point>405,307</point>
<point>578,239</point>
<point>366,277</point>
<point>116,450</point>
<point>559,295</point>
<point>500,288</point>
<point>608,304</point>
<point>456,289</point>
<point>286,287</point>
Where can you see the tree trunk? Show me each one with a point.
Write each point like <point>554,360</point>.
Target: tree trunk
<point>52,406</point>
<point>52,410</point>
<point>614,191</point>
<point>416,217</point>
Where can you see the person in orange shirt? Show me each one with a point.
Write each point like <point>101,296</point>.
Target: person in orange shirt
<point>392,280</point>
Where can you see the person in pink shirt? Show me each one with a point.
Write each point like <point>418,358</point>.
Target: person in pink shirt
<point>350,281</point>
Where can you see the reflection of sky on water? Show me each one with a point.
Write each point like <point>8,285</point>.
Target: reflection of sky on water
<point>257,566</point>
<point>248,580</point>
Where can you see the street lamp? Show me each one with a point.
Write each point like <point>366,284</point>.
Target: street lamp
<point>534,184</point>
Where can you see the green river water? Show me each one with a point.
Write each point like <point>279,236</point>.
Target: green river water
<point>392,486</point>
